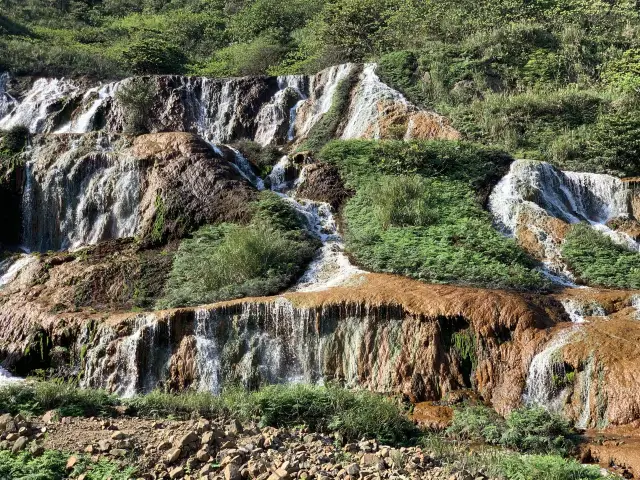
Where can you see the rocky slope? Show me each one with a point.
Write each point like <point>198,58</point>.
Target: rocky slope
<point>106,209</point>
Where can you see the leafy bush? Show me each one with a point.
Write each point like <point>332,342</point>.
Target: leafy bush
<point>230,261</point>
<point>51,465</point>
<point>136,96</point>
<point>153,56</point>
<point>526,429</point>
<point>596,260</point>
<point>546,467</point>
<point>404,201</point>
<point>38,397</point>
<point>15,139</point>
<point>264,158</point>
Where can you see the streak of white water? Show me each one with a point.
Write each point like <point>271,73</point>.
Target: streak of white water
<point>274,114</point>
<point>33,111</point>
<point>6,378</point>
<point>7,102</point>
<point>364,115</point>
<point>546,368</point>
<point>12,267</point>
<point>579,309</point>
<point>535,192</point>
<point>97,96</point>
<point>207,354</point>
<point>585,393</point>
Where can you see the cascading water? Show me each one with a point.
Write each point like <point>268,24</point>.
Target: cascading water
<point>579,309</point>
<point>91,103</point>
<point>36,109</point>
<point>79,200</point>
<point>585,393</point>
<point>7,102</point>
<point>6,378</point>
<point>546,371</point>
<point>278,113</point>
<point>534,195</point>
<point>11,268</point>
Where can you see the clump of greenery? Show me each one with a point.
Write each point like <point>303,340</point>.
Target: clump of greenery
<point>37,398</point>
<point>51,465</point>
<point>545,467</point>
<point>596,260</point>
<point>136,96</point>
<point>12,143</point>
<point>526,429</point>
<point>231,261</point>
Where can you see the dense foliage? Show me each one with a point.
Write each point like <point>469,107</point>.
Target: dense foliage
<point>596,260</point>
<point>230,261</point>
<point>527,429</point>
<point>416,212</point>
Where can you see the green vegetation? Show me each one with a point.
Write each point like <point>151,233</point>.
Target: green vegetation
<point>415,212</point>
<point>51,465</point>
<point>527,429</point>
<point>264,158</point>
<point>596,260</point>
<point>135,96</point>
<point>231,261</point>
<point>12,143</point>
<point>36,398</point>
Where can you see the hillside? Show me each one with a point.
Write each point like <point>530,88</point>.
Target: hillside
<point>328,239</point>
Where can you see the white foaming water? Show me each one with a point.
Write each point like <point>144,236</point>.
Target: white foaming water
<point>635,303</point>
<point>92,101</point>
<point>545,369</point>
<point>80,201</point>
<point>274,114</point>
<point>6,378</point>
<point>579,309</point>
<point>9,269</point>
<point>322,88</point>
<point>7,102</point>
<point>278,175</point>
<point>533,193</point>
<point>585,393</point>
<point>207,354</point>
<point>33,111</point>
<point>364,114</point>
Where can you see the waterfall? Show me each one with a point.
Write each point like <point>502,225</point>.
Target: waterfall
<point>546,372</point>
<point>585,393</point>
<point>207,354</point>
<point>11,268</point>
<point>364,115</point>
<point>43,100</point>
<point>275,114</point>
<point>538,198</point>
<point>92,100</point>
<point>6,378</point>
<point>7,102</point>
<point>79,200</point>
<point>579,309</point>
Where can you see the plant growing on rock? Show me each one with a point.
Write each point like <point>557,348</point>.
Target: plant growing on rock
<point>135,97</point>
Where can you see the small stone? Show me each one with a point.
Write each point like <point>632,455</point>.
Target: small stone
<point>12,437</point>
<point>19,444</point>
<point>72,462</point>
<point>203,456</point>
<point>207,438</point>
<point>36,450</point>
<point>50,417</point>
<point>11,427</point>
<point>24,431</point>
<point>353,470</point>
<point>206,470</point>
<point>118,436</point>
<point>232,472</point>
<point>104,445</point>
<point>234,427</point>
<point>177,472</point>
<point>186,440</point>
<point>173,455</point>
<point>4,419</point>
<point>118,452</point>
<point>89,449</point>
<point>163,446</point>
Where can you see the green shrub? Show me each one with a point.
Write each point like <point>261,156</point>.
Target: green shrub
<point>596,260</point>
<point>37,398</point>
<point>404,201</point>
<point>136,96</point>
<point>535,430</point>
<point>547,467</point>
<point>153,56</point>
<point>264,158</point>
<point>51,465</point>
<point>231,261</point>
<point>15,139</point>
<point>477,423</point>
<point>400,70</point>
<point>526,429</point>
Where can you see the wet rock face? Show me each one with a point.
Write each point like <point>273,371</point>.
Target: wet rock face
<point>85,189</point>
<point>322,182</point>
